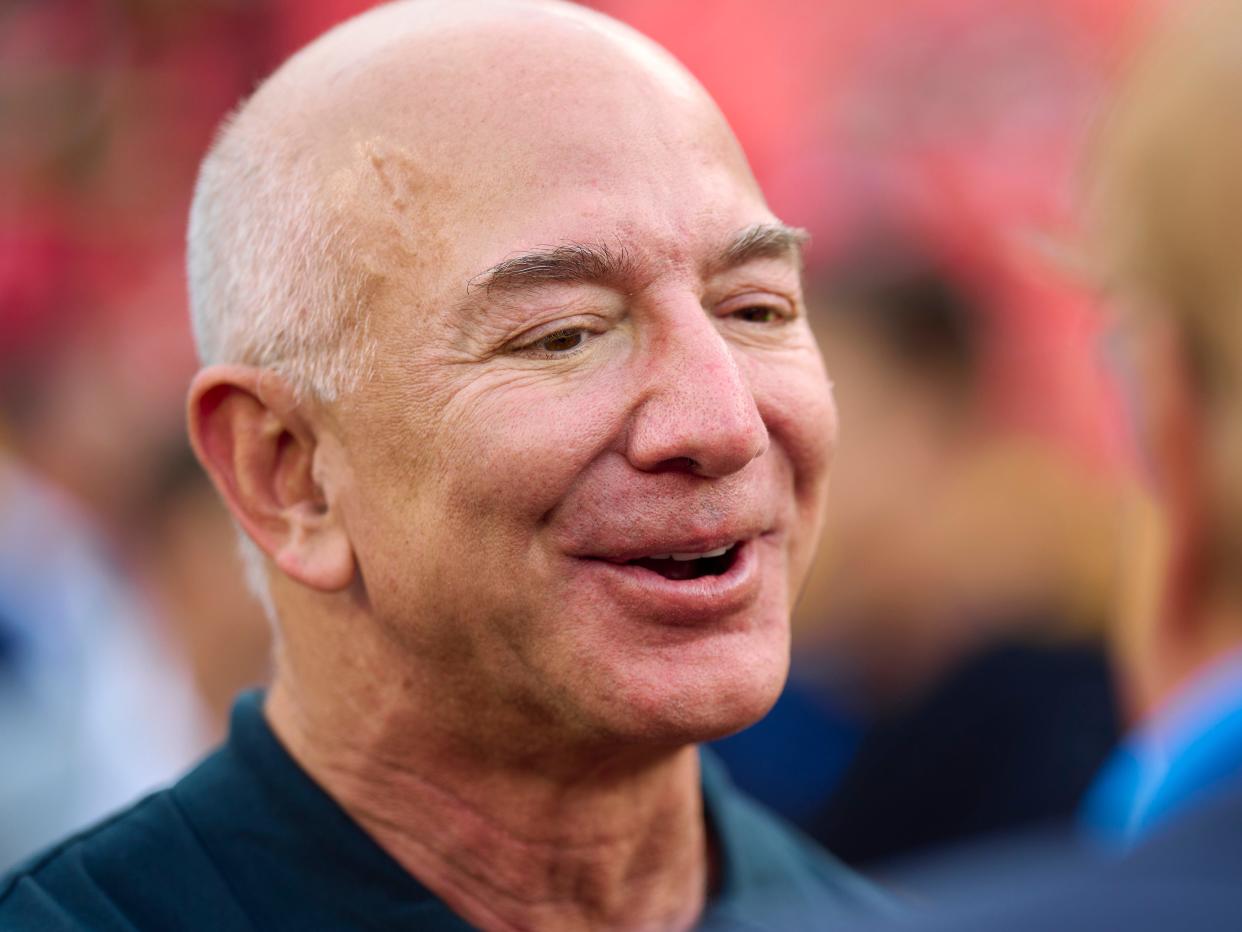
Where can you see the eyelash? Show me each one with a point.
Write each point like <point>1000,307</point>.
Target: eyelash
<point>775,315</point>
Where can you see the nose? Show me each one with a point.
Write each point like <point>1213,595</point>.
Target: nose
<point>697,412</point>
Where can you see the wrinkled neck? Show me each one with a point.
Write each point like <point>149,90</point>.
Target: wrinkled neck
<point>602,838</point>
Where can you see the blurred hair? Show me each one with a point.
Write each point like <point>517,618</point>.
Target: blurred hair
<point>1166,209</point>
<point>911,307</point>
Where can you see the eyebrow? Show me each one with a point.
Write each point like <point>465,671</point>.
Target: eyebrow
<point>598,262</point>
<point>574,262</point>
<point>764,241</point>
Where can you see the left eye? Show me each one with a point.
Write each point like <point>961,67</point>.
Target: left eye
<point>560,342</point>
<point>758,314</point>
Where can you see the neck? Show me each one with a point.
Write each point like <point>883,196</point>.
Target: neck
<point>594,838</point>
<point>1187,638</point>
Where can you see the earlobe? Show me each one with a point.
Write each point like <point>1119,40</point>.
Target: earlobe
<point>260,449</point>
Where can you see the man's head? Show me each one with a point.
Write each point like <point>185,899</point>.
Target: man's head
<point>1168,212</point>
<point>496,320</point>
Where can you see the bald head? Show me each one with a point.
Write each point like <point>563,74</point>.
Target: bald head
<point>373,161</point>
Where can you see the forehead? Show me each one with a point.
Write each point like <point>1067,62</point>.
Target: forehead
<point>619,226</point>
<point>622,267</point>
<point>443,170</point>
<point>633,227</point>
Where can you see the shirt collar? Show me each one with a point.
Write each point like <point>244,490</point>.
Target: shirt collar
<point>1188,748</point>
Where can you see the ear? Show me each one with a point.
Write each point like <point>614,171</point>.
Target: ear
<point>1174,427</point>
<point>260,449</point>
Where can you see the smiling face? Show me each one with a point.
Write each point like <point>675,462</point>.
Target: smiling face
<point>594,365</point>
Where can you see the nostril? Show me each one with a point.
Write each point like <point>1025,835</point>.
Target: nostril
<point>677,464</point>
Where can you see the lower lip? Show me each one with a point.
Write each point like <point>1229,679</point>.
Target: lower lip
<point>698,601</point>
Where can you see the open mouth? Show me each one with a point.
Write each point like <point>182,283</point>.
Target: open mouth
<point>690,565</point>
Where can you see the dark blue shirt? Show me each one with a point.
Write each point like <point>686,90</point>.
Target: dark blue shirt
<point>248,841</point>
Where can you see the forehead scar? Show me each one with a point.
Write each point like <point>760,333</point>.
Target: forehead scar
<point>414,201</point>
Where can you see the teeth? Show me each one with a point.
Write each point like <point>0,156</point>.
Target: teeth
<point>683,557</point>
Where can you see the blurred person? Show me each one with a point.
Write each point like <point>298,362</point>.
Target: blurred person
<point>507,378</point>
<point>95,704</point>
<point>1166,814</point>
<point>93,709</point>
<point>960,600</point>
<point>956,528</point>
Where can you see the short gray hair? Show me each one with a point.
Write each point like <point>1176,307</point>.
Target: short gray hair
<point>273,266</point>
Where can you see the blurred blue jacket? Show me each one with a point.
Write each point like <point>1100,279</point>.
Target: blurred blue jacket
<point>1168,809</point>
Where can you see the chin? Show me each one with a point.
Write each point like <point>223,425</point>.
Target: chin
<point>680,700</point>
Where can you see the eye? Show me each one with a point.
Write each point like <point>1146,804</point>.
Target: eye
<point>761,310</point>
<point>562,341</point>
<point>759,314</point>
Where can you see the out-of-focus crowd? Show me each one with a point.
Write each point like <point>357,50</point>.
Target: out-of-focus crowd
<point>960,622</point>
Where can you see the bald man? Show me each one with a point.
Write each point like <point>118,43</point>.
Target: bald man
<point>508,384</point>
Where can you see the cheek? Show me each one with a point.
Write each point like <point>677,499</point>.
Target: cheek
<point>797,405</point>
<point>514,448</point>
<point>796,402</point>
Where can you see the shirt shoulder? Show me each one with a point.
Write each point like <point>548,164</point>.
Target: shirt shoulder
<point>768,867</point>
<point>142,869</point>
<point>780,854</point>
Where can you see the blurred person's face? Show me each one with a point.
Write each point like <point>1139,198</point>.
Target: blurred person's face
<point>541,437</point>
